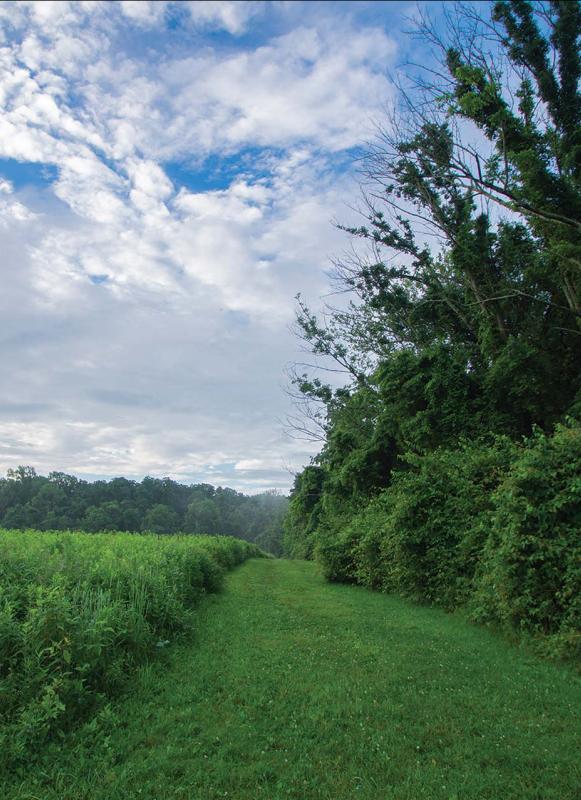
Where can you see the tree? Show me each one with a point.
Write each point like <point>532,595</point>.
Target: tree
<point>304,512</point>
<point>104,517</point>
<point>48,508</point>
<point>63,501</point>
<point>161,519</point>
<point>21,474</point>
<point>463,285</point>
<point>16,517</point>
<point>202,516</point>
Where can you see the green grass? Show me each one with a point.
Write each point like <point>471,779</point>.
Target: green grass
<point>79,612</point>
<point>293,688</point>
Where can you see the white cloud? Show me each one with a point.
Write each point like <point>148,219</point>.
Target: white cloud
<point>144,12</point>
<point>232,16</point>
<point>145,324</point>
<point>14,211</point>
<point>11,209</point>
<point>313,86</point>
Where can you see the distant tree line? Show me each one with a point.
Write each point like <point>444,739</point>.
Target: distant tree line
<point>156,505</point>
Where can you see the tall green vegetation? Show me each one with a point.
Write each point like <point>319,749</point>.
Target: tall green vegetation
<point>64,502</point>
<point>78,613</point>
<point>450,465</point>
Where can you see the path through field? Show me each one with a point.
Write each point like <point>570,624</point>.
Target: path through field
<point>293,688</point>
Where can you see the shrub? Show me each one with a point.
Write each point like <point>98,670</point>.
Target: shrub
<point>494,527</point>
<point>530,574</point>
<point>422,537</point>
<point>437,522</point>
<point>335,555</point>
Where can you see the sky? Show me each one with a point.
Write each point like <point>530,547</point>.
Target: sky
<point>169,177</point>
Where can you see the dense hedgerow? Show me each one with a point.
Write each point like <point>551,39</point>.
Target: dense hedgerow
<point>412,538</point>
<point>470,332</point>
<point>529,576</point>
<point>79,612</point>
<point>495,528</point>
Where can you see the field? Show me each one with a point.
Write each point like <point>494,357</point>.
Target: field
<point>294,688</point>
<point>78,614</point>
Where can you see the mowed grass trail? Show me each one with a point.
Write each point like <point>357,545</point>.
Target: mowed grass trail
<point>294,688</point>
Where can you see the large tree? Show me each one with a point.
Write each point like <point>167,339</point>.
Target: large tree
<point>464,318</point>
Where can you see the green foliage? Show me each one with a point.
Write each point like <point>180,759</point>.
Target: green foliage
<point>459,346</point>
<point>79,612</point>
<point>492,527</point>
<point>202,517</point>
<point>302,517</point>
<point>418,536</point>
<point>300,689</point>
<point>63,502</point>
<point>529,576</point>
<point>105,517</point>
<point>161,519</point>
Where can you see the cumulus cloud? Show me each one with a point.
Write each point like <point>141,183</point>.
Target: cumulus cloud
<point>146,320</point>
<point>144,12</point>
<point>233,16</point>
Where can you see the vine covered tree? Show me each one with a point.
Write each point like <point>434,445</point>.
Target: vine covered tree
<point>463,323</point>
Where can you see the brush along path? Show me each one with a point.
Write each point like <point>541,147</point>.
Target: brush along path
<point>299,689</point>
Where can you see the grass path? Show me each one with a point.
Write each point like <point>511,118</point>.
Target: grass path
<point>297,689</point>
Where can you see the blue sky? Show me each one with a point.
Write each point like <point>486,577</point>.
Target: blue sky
<point>168,177</point>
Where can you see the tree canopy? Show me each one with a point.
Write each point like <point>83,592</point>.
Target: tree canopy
<point>163,506</point>
<point>464,320</point>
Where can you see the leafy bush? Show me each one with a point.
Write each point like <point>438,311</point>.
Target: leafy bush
<point>439,520</point>
<point>79,612</point>
<point>420,537</point>
<point>494,527</point>
<point>335,553</point>
<point>530,573</point>
<point>303,513</point>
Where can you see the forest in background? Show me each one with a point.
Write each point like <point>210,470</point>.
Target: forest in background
<point>155,505</point>
<point>450,463</point>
